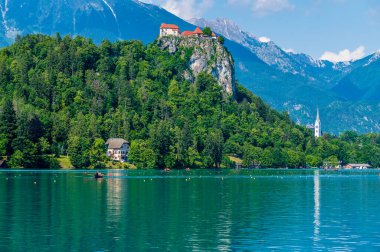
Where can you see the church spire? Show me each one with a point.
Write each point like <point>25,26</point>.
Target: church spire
<point>318,114</point>
<point>317,126</point>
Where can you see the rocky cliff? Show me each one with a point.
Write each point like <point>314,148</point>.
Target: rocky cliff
<point>207,55</point>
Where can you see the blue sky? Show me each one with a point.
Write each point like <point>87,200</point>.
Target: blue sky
<point>338,30</point>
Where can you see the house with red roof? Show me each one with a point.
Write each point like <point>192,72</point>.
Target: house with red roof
<point>169,30</point>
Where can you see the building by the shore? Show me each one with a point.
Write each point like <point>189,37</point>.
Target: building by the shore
<point>357,166</point>
<point>117,149</point>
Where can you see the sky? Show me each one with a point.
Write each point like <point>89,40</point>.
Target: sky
<point>336,30</point>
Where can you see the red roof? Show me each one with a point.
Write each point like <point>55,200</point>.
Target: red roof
<point>187,33</point>
<point>213,35</point>
<point>169,26</point>
<point>198,31</point>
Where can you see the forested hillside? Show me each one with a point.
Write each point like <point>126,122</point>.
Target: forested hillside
<point>66,96</point>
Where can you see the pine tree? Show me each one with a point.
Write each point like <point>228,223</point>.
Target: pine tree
<point>7,126</point>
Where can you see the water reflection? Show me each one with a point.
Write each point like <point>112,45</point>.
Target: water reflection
<point>317,205</point>
<point>74,212</point>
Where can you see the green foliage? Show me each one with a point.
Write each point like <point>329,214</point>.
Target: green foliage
<point>7,126</point>
<point>207,31</point>
<point>221,39</point>
<point>72,95</point>
<point>214,146</point>
<point>78,151</point>
<point>17,160</point>
<point>142,155</point>
<point>97,154</point>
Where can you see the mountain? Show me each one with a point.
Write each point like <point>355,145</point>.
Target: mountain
<point>348,93</point>
<point>97,19</point>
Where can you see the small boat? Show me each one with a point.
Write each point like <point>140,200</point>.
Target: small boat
<point>98,175</point>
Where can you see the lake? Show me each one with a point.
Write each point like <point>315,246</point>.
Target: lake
<point>203,210</point>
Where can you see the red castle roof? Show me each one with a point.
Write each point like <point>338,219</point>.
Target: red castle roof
<point>169,26</point>
<point>198,31</point>
<point>187,33</point>
<point>213,35</point>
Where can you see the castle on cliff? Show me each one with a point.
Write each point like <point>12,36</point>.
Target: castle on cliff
<point>173,30</point>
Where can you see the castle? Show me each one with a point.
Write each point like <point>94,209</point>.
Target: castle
<point>173,30</point>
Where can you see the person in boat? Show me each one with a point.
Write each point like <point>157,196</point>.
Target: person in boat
<point>187,169</point>
<point>98,175</point>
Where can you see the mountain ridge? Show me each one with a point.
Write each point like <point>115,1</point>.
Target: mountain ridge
<point>340,88</point>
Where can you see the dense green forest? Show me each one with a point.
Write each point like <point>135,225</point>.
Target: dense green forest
<point>66,96</point>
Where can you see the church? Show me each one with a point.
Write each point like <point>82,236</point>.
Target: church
<point>317,126</point>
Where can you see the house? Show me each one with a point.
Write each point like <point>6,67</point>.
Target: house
<point>357,166</point>
<point>169,30</point>
<point>213,36</point>
<point>117,149</point>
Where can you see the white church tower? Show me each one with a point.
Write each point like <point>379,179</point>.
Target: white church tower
<point>317,126</point>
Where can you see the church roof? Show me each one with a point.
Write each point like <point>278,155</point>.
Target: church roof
<point>318,114</point>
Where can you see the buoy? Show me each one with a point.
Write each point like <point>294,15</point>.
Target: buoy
<point>35,182</point>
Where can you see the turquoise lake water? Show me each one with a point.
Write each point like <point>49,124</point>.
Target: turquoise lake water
<point>205,210</point>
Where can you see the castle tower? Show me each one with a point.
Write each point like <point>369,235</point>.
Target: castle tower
<point>317,126</point>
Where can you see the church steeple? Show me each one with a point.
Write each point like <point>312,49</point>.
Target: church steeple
<point>317,126</point>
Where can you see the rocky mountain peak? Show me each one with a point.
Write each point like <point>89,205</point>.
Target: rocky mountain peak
<point>208,55</point>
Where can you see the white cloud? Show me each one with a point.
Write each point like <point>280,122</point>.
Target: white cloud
<point>265,7</point>
<point>264,39</point>
<point>344,55</point>
<point>185,9</point>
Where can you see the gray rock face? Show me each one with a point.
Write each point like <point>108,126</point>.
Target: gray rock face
<point>208,56</point>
